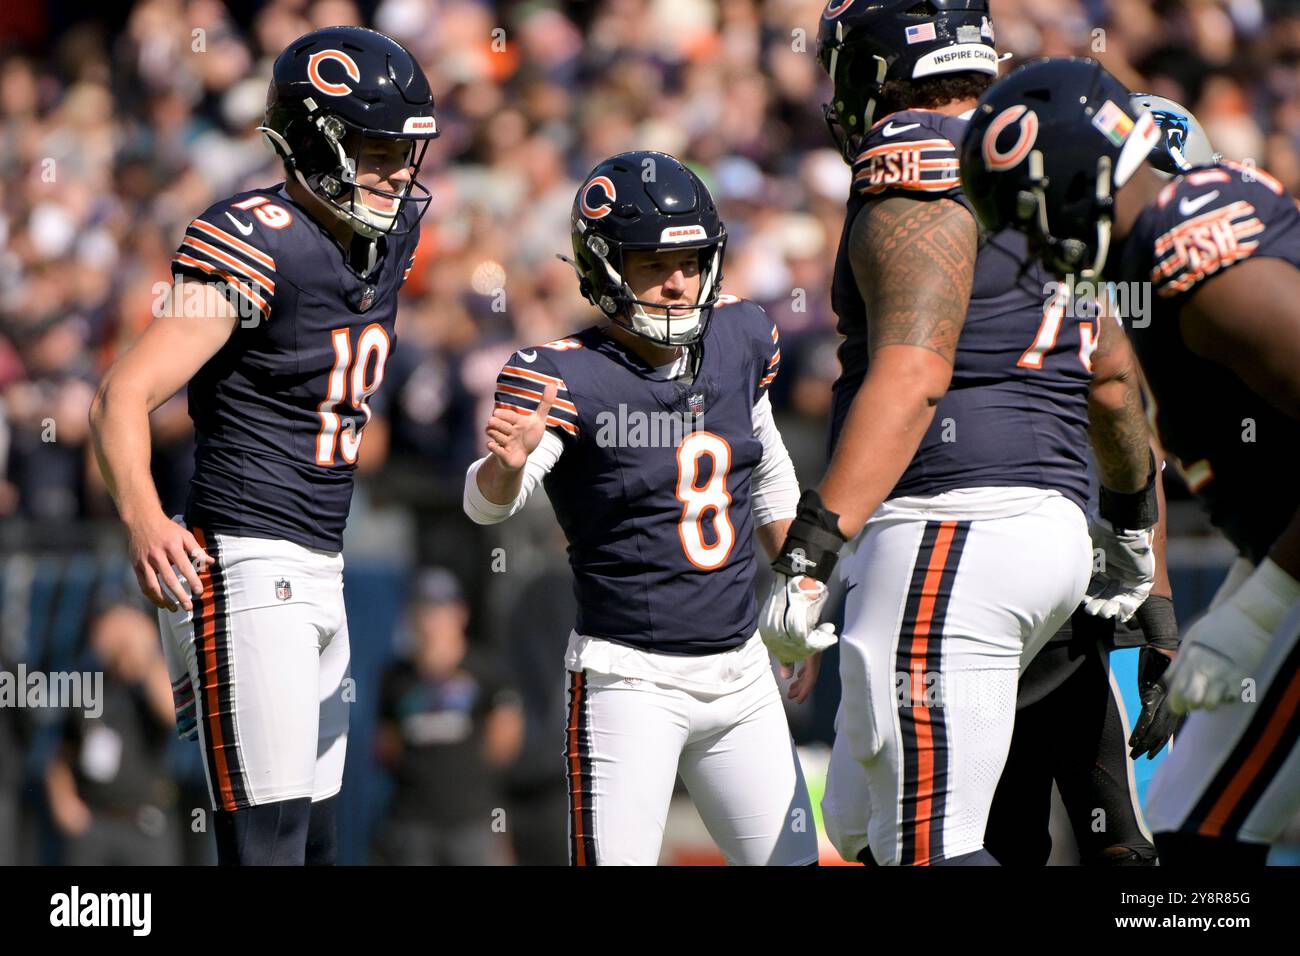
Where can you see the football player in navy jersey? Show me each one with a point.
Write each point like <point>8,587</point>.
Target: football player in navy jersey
<point>653,436</point>
<point>281,321</point>
<point>960,427</point>
<point>1220,244</point>
<point>1070,725</point>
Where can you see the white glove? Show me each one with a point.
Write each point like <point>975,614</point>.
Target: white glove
<point>1128,570</point>
<point>787,621</point>
<point>1226,646</point>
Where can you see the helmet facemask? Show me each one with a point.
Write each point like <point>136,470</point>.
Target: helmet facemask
<point>329,172</point>
<point>1065,256</point>
<point>857,77</point>
<point>668,324</point>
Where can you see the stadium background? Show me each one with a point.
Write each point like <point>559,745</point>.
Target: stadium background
<point>122,120</point>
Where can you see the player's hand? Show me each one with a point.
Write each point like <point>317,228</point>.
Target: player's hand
<point>788,620</point>
<point>1220,651</point>
<point>805,678</point>
<point>1127,571</point>
<point>1156,723</point>
<point>512,437</point>
<point>1225,647</point>
<point>160,548</point>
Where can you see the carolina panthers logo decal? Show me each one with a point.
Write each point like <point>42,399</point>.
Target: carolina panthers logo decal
<point>1000,159</point>
<point>1174,127</point>
<point>597,197</point>
<point>325,86</point>
<point>835,7</point>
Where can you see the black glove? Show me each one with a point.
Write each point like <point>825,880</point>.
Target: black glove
<point>1156,723</point>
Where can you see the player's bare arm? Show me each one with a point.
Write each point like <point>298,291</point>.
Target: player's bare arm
<point>511,438</point>
<point>772,534</point>
<point>167,354</point>
<point>1247,318</point>
<point>1117,424</point>
<point>914,262</point>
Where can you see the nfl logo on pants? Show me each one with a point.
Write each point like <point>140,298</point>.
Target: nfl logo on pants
<point>283,590</point>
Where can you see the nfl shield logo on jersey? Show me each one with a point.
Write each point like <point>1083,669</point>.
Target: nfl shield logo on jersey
<point>367,299</point>
<point>696,403</point>
<point>283,590</point>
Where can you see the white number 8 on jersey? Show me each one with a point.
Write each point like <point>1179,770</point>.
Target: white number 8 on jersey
<point>697,501</point>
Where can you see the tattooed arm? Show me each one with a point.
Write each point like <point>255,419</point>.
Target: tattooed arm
<point>914,262</point>
<point>1117,425</point>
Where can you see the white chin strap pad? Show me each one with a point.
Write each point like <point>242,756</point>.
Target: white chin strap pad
<point>660,328</point>
<point>681,327</point>
<point>380,220</point>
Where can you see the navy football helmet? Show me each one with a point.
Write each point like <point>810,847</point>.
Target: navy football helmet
<point>333,89</point>
<point>1044,153</point>
<point>864,43</point>
<point>646,200</point>
<point>1183,144</point>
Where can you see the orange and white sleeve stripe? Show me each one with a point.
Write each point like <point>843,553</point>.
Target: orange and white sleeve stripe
<point>519,389</point>
<point>209,253</point>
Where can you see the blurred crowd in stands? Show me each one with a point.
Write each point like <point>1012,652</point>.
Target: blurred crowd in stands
<point>120,121</point>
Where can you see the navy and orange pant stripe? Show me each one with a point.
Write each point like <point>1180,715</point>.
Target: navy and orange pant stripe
<point>582,833</point>
<point>924,760</point>
<point>215,690</point>
<point>1256,759</point>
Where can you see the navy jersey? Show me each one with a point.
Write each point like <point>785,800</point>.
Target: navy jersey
<point>279,411</point>
<point>1016,412</point>
<point>1236,450</point>
<point>653,487</point>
